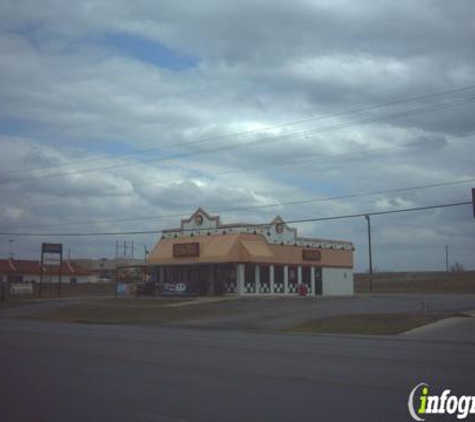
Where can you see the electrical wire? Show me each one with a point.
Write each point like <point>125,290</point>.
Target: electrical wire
<point>407,113</point>
<point>321,159</point>
<point>254,207</point>
<point>296,221</point>
<point>254,131</point>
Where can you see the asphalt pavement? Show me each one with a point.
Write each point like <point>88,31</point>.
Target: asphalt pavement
<point>279,313</point>
<point>73,372</point>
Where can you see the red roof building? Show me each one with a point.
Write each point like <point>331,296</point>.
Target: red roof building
<point>22,270</point>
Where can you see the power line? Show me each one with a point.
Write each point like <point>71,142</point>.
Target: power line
<point>434,107</point>
<point>307,220</point>
<point>324,159</point>
<point>428,207</point>
<point>254,131</point>
<point>254,207</point>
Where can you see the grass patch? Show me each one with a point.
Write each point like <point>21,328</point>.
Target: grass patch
<point>129,311</point>
<point>418,282</point>
<point>7,304</point>
<point>138,303</point>
<point>368,323</point>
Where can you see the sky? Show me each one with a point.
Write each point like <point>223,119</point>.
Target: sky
<point>119,116</point>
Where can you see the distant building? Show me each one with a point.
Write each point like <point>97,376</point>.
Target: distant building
<point>204,256</point>
<point>105,270</point>
<point>29,271</point>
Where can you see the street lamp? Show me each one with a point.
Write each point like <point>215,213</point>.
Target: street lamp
<point>370,254</point>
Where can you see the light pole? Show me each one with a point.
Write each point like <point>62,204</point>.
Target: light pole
<point>370,254</point>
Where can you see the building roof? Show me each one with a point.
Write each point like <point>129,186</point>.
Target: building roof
<point>242,248</point>
<point>276,232</point>
<point>24,266</point>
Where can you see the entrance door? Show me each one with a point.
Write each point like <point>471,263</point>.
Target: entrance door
<point>202,277</point>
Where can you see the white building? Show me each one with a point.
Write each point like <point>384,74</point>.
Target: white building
<point>204,256</point>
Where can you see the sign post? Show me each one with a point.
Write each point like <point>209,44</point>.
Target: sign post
<point>51,249</point>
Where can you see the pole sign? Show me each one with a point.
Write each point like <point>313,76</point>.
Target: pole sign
<point>473,201</point>
<point>49,256</point>
<point>54,248</point>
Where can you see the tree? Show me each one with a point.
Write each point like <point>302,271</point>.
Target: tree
<point>457,267</point>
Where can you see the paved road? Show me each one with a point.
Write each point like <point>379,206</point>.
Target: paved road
<point>72,372</point>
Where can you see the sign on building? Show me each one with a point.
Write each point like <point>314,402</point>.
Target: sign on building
<point>311,255</point>
<point>183,250</point>
<point>21,289</point>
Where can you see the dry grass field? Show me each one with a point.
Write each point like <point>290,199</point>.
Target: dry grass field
<point>417,282</point>
<point>128,311</point>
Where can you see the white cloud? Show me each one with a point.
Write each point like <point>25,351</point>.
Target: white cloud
<point>69,95</point>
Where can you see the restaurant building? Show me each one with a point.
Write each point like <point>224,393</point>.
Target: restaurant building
<point>206,257</point>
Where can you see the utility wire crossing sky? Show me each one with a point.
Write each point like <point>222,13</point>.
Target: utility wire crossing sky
<point>117,115</point>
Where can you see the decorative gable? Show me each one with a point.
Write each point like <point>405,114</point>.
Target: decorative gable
<point>200,220</point>
<point>279,232</point>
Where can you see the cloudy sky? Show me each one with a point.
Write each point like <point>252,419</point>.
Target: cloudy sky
<point>126,116</point>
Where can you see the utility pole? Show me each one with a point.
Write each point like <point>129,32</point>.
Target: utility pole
<point>370,254</point>
<point>10,241</point>
<point>447,258</point>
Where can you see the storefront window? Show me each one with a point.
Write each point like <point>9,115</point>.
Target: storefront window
<point>250,278</point>
<point>293,279</point>
<point>279,279</point>
<point>264,279</point>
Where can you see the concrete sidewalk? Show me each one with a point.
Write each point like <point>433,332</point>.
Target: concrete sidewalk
<point>454,329</point>
<point>203,300</point>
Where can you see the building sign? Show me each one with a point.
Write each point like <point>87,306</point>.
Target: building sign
<point>21,289</point>
<point>182,250</point>
<point>311,255</point>
<point>51,253</point>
